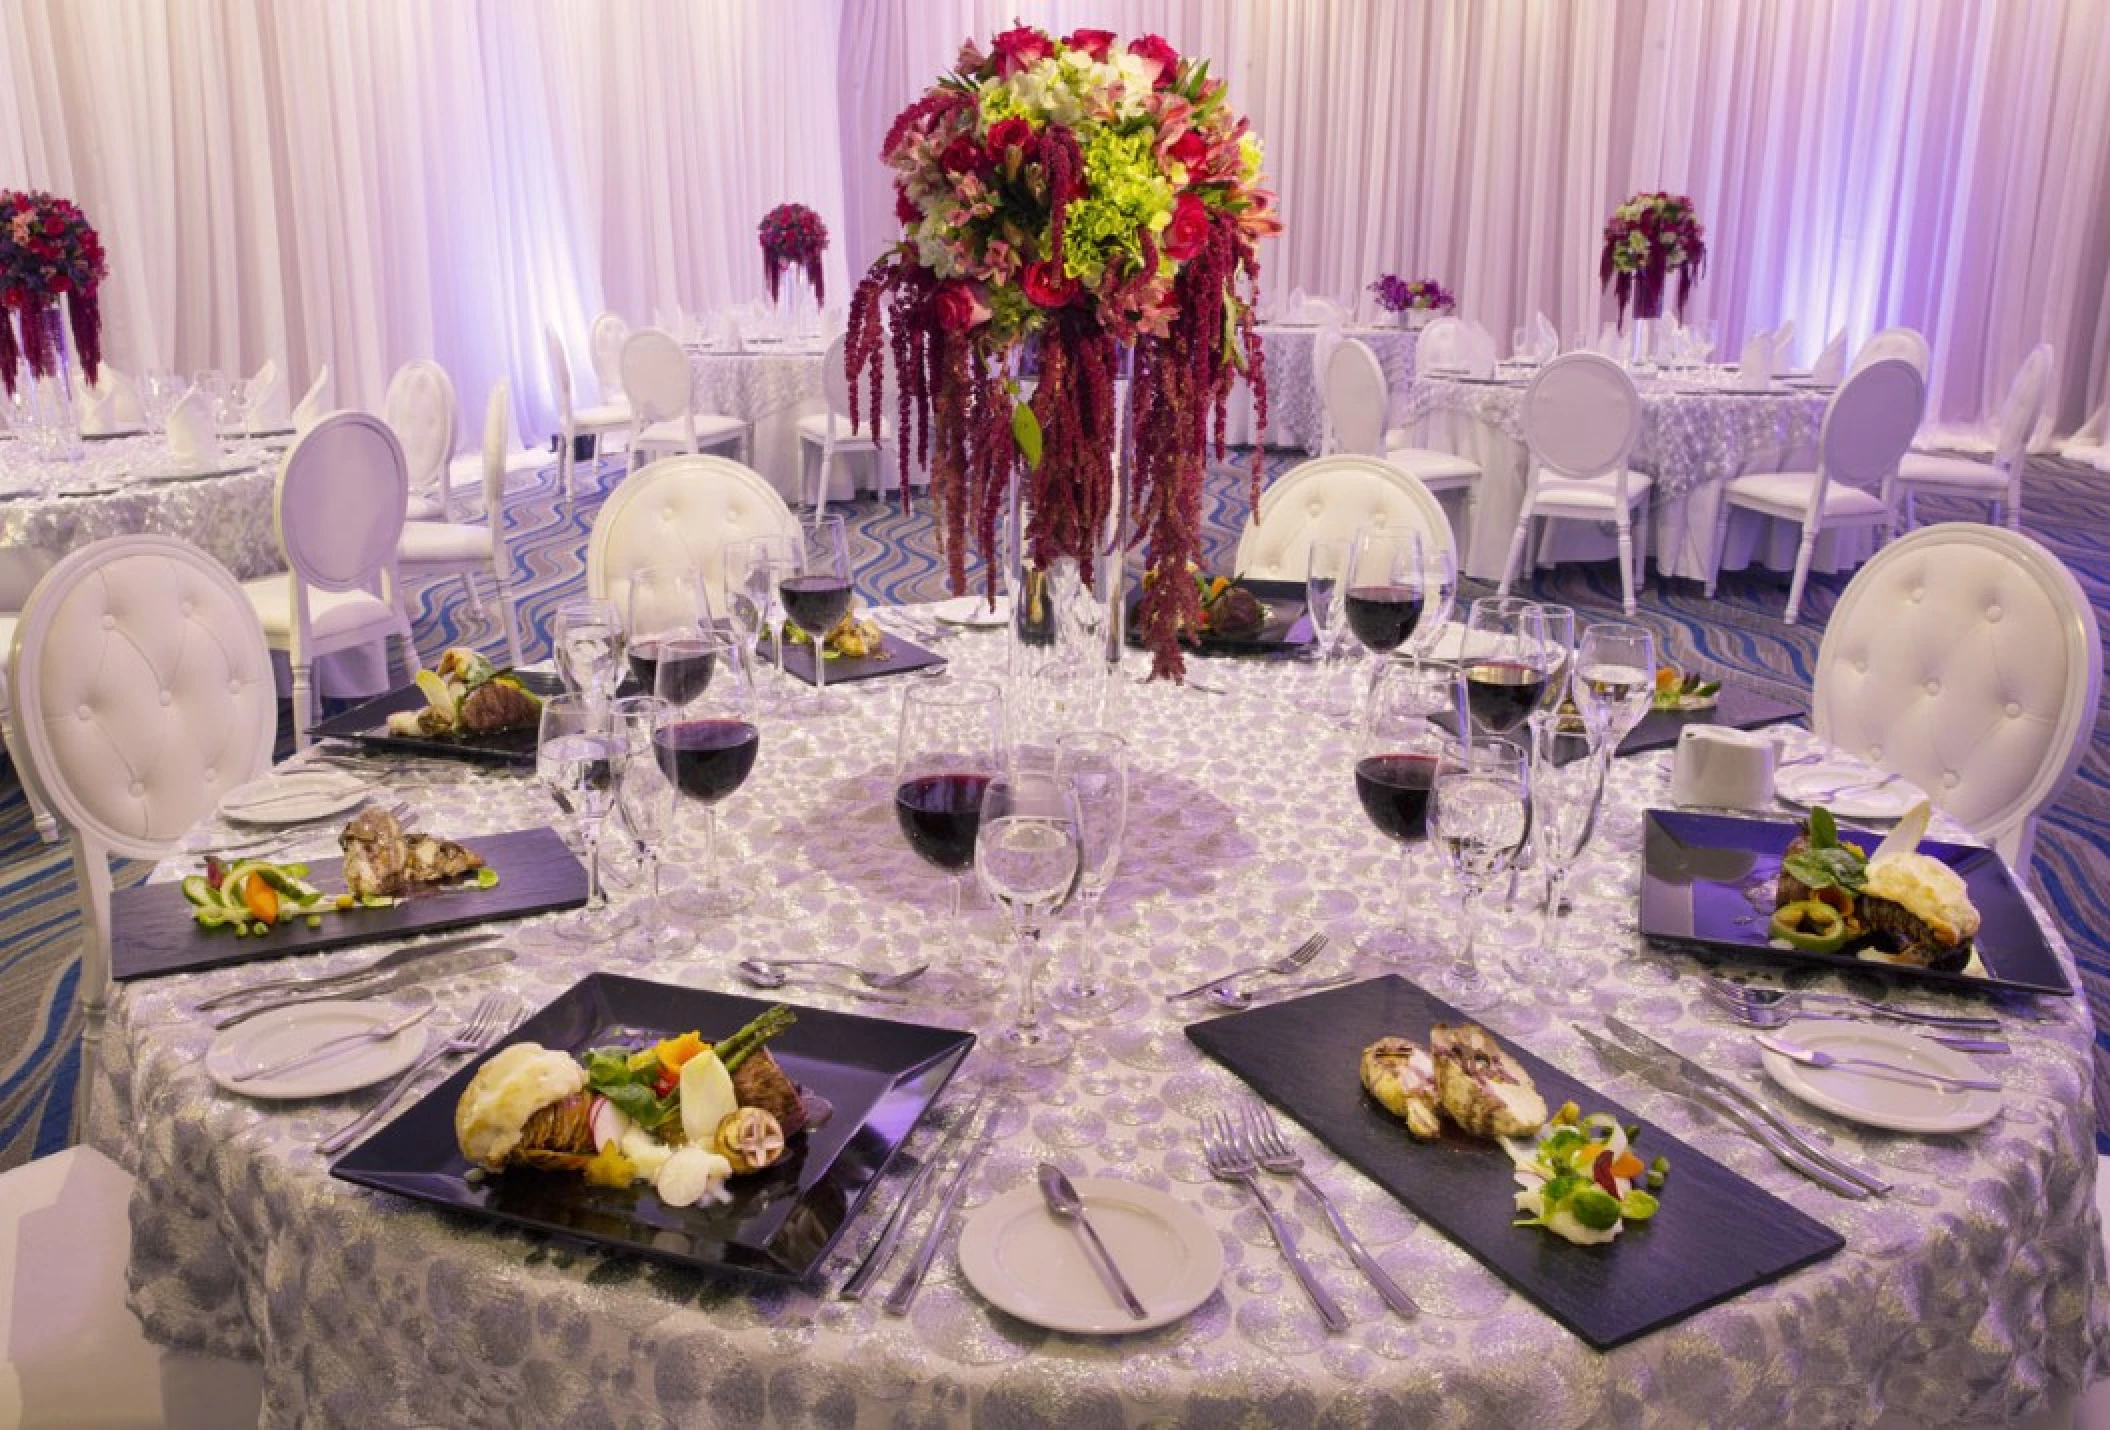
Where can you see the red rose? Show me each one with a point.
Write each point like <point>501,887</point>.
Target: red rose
<point>905,207</point>
<point>960,306</point>
<point>1153,47</point>
<point>1047,286</point>
<point>1008,134</point>
<point>1096,43</point>
<point>1020,49</point>
<point>1189,149</point>
<point>962,156</point>
<point>1188,230</point>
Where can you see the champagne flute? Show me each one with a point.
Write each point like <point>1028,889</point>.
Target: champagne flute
<point>1028,857</point>
<point>1097,768</point>
<point>1480,815</point>
<point>1567,788</point>
<point>667,604</point>
<point>816,595</point>
<point>577,750</point>
<point>1615,680</point>
<point>949,746</point>
<point>1325,567</point>
<point>589,647</point>
<point>754,565</point>
<point>1395,771</point>
<point>1508,663</point>
<point>707,745</point>
<point>1559,622</point>
<point>644,800</point>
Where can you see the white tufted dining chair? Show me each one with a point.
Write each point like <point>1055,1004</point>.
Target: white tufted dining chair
<point>1334,496</point>
<point>574,421</point>
<point>340,516</point>
<point>662,394</point>
<point>1999,484</point>
<point>606,339</point>
<point>420,406</point>
<point>1582,415</point>
<point>1357,401</point>
<point>1908,344</point>
<point>680,511</point>
<point>1868,426</point>
<point>1445,343</point>
<point>1965,658</point>
<point>143,693</point>
<point>830,431</point>
<point>449,548</point>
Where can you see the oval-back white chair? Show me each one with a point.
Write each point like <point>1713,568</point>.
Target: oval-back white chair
<point>420,406</point>
<point>680,511</point>
<point>446,548</point>
<point>1444,343</point>
<point>1582,415</point>
<point>143,692</point>
<point>1999,484</point>
<point>830,432</point>
<point>1868,426</point>
<point>1908,344</point>
<point>1324,344</point>
<point>600,421</point>
<point>1334,496</point>
<point>662,395</point>
<point>1355,396</point>
<point>607,337</point>
<point>339,510</point>
<point>1967,659</point>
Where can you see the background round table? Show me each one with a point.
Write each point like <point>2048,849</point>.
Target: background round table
<point>772,384</point>
<point>1296,412</point>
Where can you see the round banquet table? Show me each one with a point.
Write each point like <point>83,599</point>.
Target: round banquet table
<point>772,384</point>
<point>1972,1293</point>
<point>1696,433</point>
<point>1296,414</point>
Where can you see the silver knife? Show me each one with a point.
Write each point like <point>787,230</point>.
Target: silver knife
<point>1723,1090</point>
<point>904,1212</point>
<point>409,954</point>
<point>1626,1060</point>
<point>442,965</point>
<point>904,1293</point>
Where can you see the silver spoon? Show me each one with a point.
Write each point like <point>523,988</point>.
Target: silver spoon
<point>871,978</point>
<point>774,978</point>
<point>1063,1201</point>
<point>1235,997</point>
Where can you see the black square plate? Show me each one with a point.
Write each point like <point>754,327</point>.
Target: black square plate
<point>1739,708</point>
<point>880,1075</point>
<point>1707,882</point>
<point>1716,1236</point>
<point>367,724</point>
<point>1284,630</point>
<point>899,658</point>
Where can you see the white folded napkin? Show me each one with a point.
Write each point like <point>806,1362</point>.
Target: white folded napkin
<point>725,331</point>
<point>191,435</point>
<point>1755,372</point>
<point>1783,341</point>
<point>1830,368</point>
<point>264,400</point>
<point>1293,311</point>
<point>111,405</point>
<point>1545,342</point>
<point>314,403</point>
<point>1479,351</point>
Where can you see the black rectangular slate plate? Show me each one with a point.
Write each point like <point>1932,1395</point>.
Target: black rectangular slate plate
<point>1716,1236</point>
<point>1282,633</point>
<point>900,658</point>
<point>1707,882</point>
<point>1738,707</point>
<point>367,724</point>
<point>881,1076</point>
<point>152,931</point>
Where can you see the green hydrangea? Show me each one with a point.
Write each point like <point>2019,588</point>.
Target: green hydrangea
<point>1126,194</point>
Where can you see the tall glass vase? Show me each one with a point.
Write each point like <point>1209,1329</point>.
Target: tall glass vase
<point>1066,637</point>
<point>1641,356</point>
<point>44,399</point>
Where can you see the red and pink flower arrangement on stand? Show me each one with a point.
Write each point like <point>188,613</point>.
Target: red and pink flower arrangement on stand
<point>1093,198</point>
<point>1644,239</point>
<point>793,236</point>
<point>48,252</point>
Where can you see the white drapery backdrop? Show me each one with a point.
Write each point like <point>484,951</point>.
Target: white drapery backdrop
<point>363,184</point>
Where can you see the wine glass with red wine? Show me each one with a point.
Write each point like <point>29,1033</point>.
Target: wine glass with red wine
<point>666,603</point>
<point>1384,593</point>
<point>950,745</point>
<point>707,741</point>
<point>1508,663</point>
<point>1395,770</point>
<point>816,594</point>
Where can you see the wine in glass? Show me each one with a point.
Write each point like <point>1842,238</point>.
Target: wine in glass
<point>1383,595</point>
<point>950,745</point>
<point>816,595</point>
<point>1096,766</point>
<point>1395,773</point>
<point>667,604</point>
<point>1508,663</point>
<point>588,647</point>
<point>1480,816</point>
<point>707,745</point>
<point>577,752</point>
<point>1615,680</point>
<point>1028,857</point>
<point>644,801</point>
<point>1567,788</point>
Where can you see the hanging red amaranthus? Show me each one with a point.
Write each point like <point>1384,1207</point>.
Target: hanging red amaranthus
<point>48,252</point>
<point>1093,199</point>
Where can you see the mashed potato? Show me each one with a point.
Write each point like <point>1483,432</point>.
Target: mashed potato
<point>506,1091</point>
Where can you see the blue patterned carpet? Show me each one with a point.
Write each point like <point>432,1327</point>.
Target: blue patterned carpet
<point>896,558</point>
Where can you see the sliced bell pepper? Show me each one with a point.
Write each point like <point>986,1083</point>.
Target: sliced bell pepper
<point>1809,926</point>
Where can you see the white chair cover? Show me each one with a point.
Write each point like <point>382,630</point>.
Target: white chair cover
<point>1905,343</point>
<point>420,408</point>
<point>609,334</point>
<point>1334,496</point>
<point>680,511</point>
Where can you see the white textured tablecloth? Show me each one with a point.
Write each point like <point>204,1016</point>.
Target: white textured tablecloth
<point>1970,1294</point>
<point>1296,414</point>
<point>773,386</point>
<point>1691,441</point>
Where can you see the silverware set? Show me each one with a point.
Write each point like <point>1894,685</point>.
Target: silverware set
<point>1292,962</point>
<point>1769,1016</point>
<point>869,984</point>
<point>1797,1003</point>
<point>441,958</point>
<point>491,1019</point>
<point>970,1133</point>
<point>1231,1160</point>
<point>1258,1133</point>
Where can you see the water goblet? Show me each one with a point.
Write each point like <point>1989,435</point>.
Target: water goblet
<point>588,647</point>
<point>577,751</point>
<point>1480,815</point>
<point>1028,857</point>
<point>644,801</point>
<point>754,566</point>
<point>1096,765</point>
<point>1615,680</point>
<point>1567,789</point>
<point>1559,623</point>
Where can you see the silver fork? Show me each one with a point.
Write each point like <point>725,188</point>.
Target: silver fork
<point>1289,963</point>
<point>493,1016</point>
<point>1766,1015</point>
<point>1230,1162</point>
<point>1264,1140</point>
<point>1791,999</point>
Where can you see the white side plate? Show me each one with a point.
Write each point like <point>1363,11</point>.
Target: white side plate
<point>1806,785</point>
<point>1881,1099</point>
<point>274,1037</point>
<point>294,798</point>
<point>974,611</point>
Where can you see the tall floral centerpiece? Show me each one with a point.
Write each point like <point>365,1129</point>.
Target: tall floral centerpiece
<point>1093,198</point>
<point>1412,300</point>
<point>1645,239</point>
<point>793,236</point>
<point>49,255</point>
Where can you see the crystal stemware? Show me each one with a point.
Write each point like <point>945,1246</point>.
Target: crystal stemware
<point>1615,680</point>
<point>1027,857</point>
<point>665,604</point>
<point>577,752</point>
<point>1096,765</point>
<point>949,746</point>
<point>644,802</point>
<point>1567,788</point>
<point>1480,814</point>
<point>1395,771</point>
<point>707,744</point>
<point>1508,663</point>
<point>588,647</point>
<point>816,594</point>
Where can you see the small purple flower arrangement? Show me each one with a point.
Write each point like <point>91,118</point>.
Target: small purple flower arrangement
<point>1400,295</point>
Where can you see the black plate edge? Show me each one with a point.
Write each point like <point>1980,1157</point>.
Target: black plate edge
<point>1288,643</point>
<point>903,657</point>
<point>366,724</point>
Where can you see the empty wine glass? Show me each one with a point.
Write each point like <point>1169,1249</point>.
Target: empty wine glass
<point>666,603</point>
<point>1325,566</point>
<point>816,594</point>
<point>1559,622</point>
<point>577,751</point>
<point>949,746</point>
<point>588,647</point>
<point>1508,662</point>
<point>1567,788</point>
<point>1027,857</point>
<point>1096,765</point>
<point>1615,680</point>
<point>1439,594</point>
<point>1480,814</point>
<point>754,567</point>
<point>1395,771</point>
<point>644,801</point>
<point>707,745</point>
